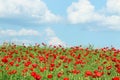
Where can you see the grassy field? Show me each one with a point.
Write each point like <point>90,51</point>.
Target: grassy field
<point>41,62</point>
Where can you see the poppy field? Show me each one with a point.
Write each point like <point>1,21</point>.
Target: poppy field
<point>42,62</point>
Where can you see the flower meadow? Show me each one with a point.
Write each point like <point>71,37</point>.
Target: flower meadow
<point>42,62</point>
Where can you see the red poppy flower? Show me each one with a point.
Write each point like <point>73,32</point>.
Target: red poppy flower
<point>99,74</point>
<point>11,63</point>
<point>51,68</point>
<point>33,73</point>
<point>41,69</point>
<point>116,78</point>
<point>118,70</point>
<point>52,65</point>
<point>50,76</point>
<point>27,63</point>
<point>66,78</point>
<point>59,74</point>
<point>36,76</point>
<point>88,73</point>
<point>5,60</point>
<point>34,65</point>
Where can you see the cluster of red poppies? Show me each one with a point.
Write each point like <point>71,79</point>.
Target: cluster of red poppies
<point>41,62</point>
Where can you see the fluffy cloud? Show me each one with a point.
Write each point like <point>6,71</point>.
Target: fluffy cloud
<point>113,20</point>
<point>113,6</point>
<point>84,12</point>
<point>22,32</point>
<point>35,9</point>
<point>52,38</point>
<point>80,12</point>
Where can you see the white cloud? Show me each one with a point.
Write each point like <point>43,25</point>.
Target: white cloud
<point>21,32</point>
<point>80,12</point>
<point>53,39</point>
<point>113,6</point>
<point>35,9</point>
<point>84,12</point>
<point>113,20</point>
<point>28,32</point>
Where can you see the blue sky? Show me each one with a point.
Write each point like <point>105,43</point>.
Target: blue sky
<point>65,22</point>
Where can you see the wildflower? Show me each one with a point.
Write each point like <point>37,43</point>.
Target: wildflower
<point>4,60</point>
<point>88,73</point>
<point>50,76</point>
<point>66,78</point>
<point>116,78</point>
